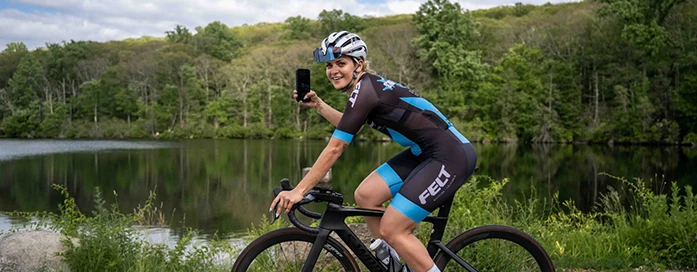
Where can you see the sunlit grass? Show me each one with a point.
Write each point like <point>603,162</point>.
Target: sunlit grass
<point>108,240</point>
<point>630,229</point>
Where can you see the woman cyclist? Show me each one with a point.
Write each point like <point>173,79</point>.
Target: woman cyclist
<point>419,179</point>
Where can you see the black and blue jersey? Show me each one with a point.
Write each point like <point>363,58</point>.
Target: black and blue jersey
<point>439,158</point>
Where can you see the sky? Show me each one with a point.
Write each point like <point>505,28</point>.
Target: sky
<point>37,22</point>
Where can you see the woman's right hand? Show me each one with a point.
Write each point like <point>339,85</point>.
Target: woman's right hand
<point>314,99</point>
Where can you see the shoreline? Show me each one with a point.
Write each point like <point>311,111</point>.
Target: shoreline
<point>165,139</point>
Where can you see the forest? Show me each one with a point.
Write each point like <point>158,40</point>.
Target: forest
<point>595,71</point>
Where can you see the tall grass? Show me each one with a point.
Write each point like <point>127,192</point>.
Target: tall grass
<point>630,229</point>
<point>108,240</point>
<point>634,228</point>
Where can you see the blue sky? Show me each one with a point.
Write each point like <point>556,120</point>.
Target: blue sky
<point>25,7</point>
<point>37,22</point>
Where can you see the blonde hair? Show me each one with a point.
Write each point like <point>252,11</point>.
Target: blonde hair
<point>366,64</point>
<point>366,67</point>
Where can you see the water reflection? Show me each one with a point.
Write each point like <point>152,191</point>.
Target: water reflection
<point>223,186</point>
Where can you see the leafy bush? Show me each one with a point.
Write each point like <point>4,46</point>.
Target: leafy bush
<point>286,133</point>
<point>108,241</point>
<point>690,138</point>
<point>22,124</point>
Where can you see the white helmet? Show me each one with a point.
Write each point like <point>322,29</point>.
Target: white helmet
<point>341,43</point>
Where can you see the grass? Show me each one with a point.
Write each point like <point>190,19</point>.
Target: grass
<point>108,240</point>
<point>630,229</point>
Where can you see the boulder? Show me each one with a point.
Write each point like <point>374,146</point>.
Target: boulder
<point>31,251</point>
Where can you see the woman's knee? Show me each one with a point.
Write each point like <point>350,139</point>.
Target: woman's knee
<point>362,197</point>
<point>372,192</point>
<point>394,225</point>
<point>390,233</point>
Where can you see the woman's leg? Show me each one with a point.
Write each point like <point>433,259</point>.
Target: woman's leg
<point>371,194</point>
<point>396,229</point>
<point>383,184</point>
<point>423,191</point>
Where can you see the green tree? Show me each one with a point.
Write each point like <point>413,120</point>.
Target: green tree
<point>16,47</point>
<point>180,34</point>
<point>687,104</point>
<point>643,21</point>
<point>27,81</point>
<point>337,20</point>
<point>217,40</point>
<point>299,28</point>
<point>445,36</point>
<point>9,60</point>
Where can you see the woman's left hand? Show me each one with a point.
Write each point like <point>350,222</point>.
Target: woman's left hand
<point>285,200</point>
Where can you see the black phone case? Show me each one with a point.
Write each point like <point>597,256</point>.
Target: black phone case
<point>302,83</point>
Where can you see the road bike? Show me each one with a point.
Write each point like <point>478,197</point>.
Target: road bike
<point>306,248</point>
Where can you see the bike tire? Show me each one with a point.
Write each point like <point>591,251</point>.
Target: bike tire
<point>254,258</point>
<point>478,245</point>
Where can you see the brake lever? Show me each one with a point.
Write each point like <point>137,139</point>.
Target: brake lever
<point>275,215</point>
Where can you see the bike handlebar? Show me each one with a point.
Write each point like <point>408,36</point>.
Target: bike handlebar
<point>315,195</point>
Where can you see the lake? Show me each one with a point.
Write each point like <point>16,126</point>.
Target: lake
<point>224,186</point>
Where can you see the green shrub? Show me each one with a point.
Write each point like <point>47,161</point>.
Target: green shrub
<point>107,241</point>
<point>286,133</point>
<point>22,124</point>
<point>259,131</point>
<point>690,138</point>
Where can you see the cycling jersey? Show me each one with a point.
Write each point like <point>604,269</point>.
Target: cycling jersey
<point>439,159</point>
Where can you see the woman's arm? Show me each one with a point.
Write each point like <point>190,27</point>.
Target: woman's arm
<point>329,113</point>
<point>286,199</point>
<point>326,160</point>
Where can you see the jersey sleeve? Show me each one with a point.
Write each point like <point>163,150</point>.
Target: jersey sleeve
<point>361,102</point>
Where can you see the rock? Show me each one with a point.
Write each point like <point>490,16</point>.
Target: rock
<point>327,179</point>
<point>31,251</point>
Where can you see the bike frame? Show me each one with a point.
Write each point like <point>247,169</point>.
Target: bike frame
<point>333,220</point>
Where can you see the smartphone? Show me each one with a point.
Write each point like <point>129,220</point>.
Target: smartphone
<point>302,83</point>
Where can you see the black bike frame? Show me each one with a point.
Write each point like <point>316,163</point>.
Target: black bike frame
<point>333,219</point>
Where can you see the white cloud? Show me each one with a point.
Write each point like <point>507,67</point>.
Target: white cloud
<point>103,20</point>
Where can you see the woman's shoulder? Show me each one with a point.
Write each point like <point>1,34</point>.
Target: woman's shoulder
<point>384,83</point>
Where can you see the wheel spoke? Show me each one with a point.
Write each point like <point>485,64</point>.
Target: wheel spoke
<point>496,248</point>
<point>289,252</point>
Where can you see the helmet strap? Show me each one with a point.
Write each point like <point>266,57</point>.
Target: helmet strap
<point>355,75</point>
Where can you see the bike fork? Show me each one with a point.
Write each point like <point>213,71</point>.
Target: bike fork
<point>316,249</point>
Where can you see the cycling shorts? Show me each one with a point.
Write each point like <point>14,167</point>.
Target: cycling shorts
<point>421,184</point>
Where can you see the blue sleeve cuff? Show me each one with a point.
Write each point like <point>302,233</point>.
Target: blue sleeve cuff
<point>344,136</point>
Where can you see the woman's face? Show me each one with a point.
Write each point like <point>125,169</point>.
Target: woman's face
<point>340,71</point>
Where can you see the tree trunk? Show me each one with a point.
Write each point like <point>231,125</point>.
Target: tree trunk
<point>49,98</point>
<point>95,116</point>
<point>245,113</point>
<point>63,84</point>
<point>74,92</point>
<point>297,116</point>
<point>597,97</point>
<point>551,85</point>
<point>181,107</point>
<point>270,110</point>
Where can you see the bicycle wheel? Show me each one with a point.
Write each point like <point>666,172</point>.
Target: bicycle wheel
<point>495,248</point>
<point>286,250</point>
